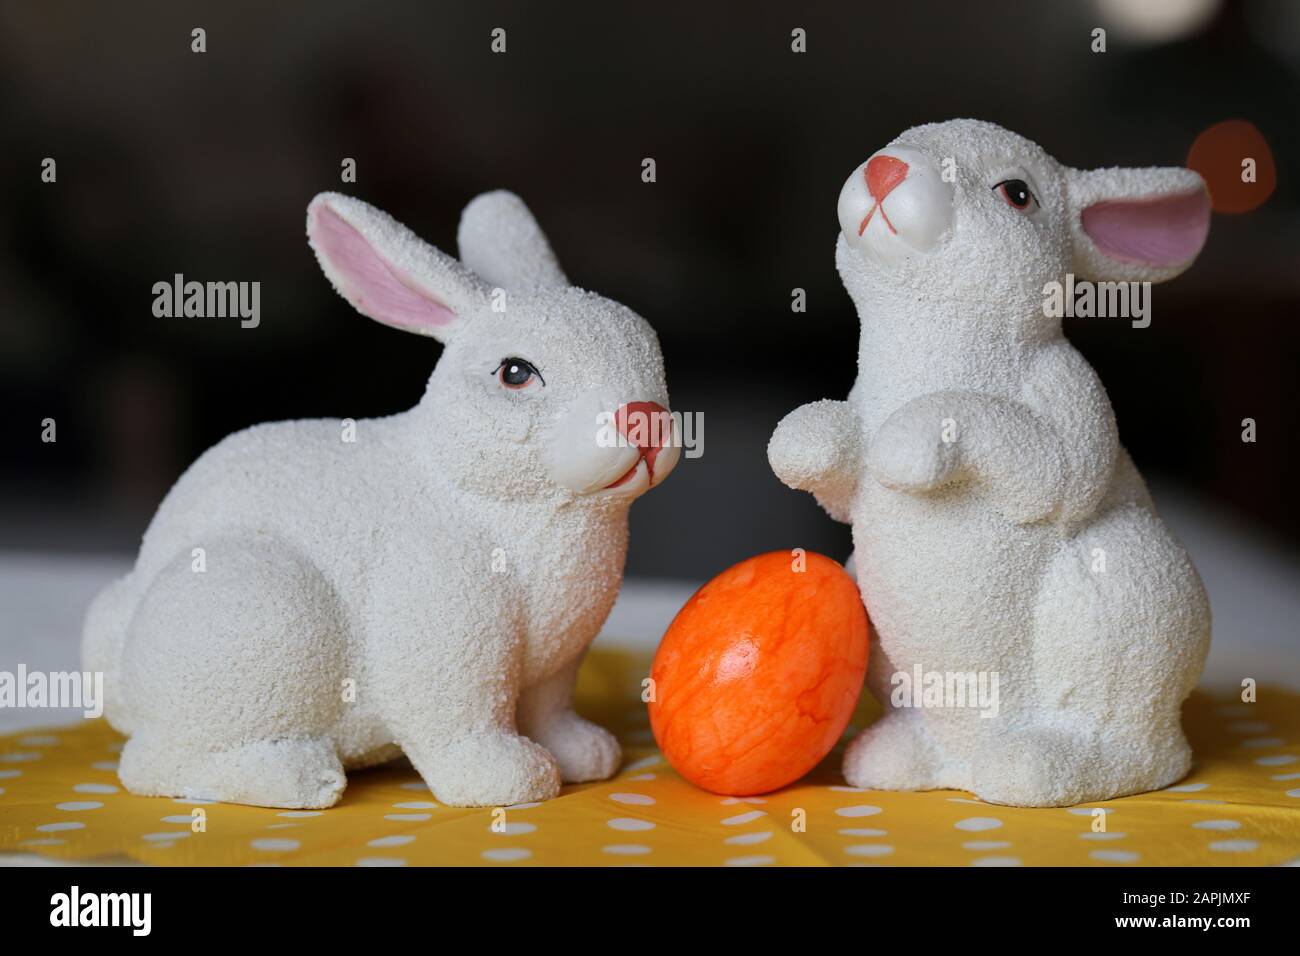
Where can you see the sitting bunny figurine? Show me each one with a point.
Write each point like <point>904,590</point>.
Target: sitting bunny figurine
<point>427,584</point>
<point>999,527</point>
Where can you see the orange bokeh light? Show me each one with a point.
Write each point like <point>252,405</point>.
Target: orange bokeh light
<point>1220,154</point>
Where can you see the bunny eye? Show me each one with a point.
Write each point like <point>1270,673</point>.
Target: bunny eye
<point>517,373</point>
<point>1016,193</point>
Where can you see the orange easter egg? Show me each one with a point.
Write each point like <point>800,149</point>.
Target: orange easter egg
<point>757,676</point>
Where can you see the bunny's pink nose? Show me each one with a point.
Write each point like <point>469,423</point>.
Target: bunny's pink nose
<point>647,426</point>
<point>883,174</point>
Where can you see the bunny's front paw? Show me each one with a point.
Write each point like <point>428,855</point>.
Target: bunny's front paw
<point>817,448</point>
<point>491,769</point>
<point>814,445</point>
<point>912,452</point>
<point>583,750</point>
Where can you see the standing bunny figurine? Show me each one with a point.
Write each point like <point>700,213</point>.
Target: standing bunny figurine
<point>998,525</point>
<point>304,603</point>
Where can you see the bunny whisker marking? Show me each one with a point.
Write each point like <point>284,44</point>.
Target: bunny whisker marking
<point>885,216</point>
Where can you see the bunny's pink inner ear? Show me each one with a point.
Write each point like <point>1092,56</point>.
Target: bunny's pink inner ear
<point>376,288</point>
<point>1160,231</point>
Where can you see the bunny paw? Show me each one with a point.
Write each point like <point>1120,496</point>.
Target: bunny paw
<point>891,754</point>
<point>583,750</point>
<point>814,445</point>
<point>491,770</point>
<point>907,455</point>
<point>1041,768</point>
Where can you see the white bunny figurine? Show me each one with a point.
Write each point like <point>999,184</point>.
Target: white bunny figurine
<point>317,595</point>
<point>1000,530</point>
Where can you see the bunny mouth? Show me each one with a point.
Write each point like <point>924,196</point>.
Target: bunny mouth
<point>639,477</point>
<point>881,206</point>
<point>634,475</point>
<point>632,484</point>
<point>644,474</point>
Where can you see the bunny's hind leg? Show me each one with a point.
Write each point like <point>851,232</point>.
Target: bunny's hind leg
<point>233,664</point>
<point>1121,633</point>
<point>293,773</point>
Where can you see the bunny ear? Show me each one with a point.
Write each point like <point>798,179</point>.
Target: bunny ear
<point>387,272</point>
<point>1136,224</point>
<point>500,240</point>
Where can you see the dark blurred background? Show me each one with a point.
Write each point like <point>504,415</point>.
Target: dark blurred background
<point>170,161</point>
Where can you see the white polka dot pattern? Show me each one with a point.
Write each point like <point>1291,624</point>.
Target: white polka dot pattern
<point>61,795</point>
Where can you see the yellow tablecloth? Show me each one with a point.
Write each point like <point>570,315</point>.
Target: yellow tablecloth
<point>60,796</point>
